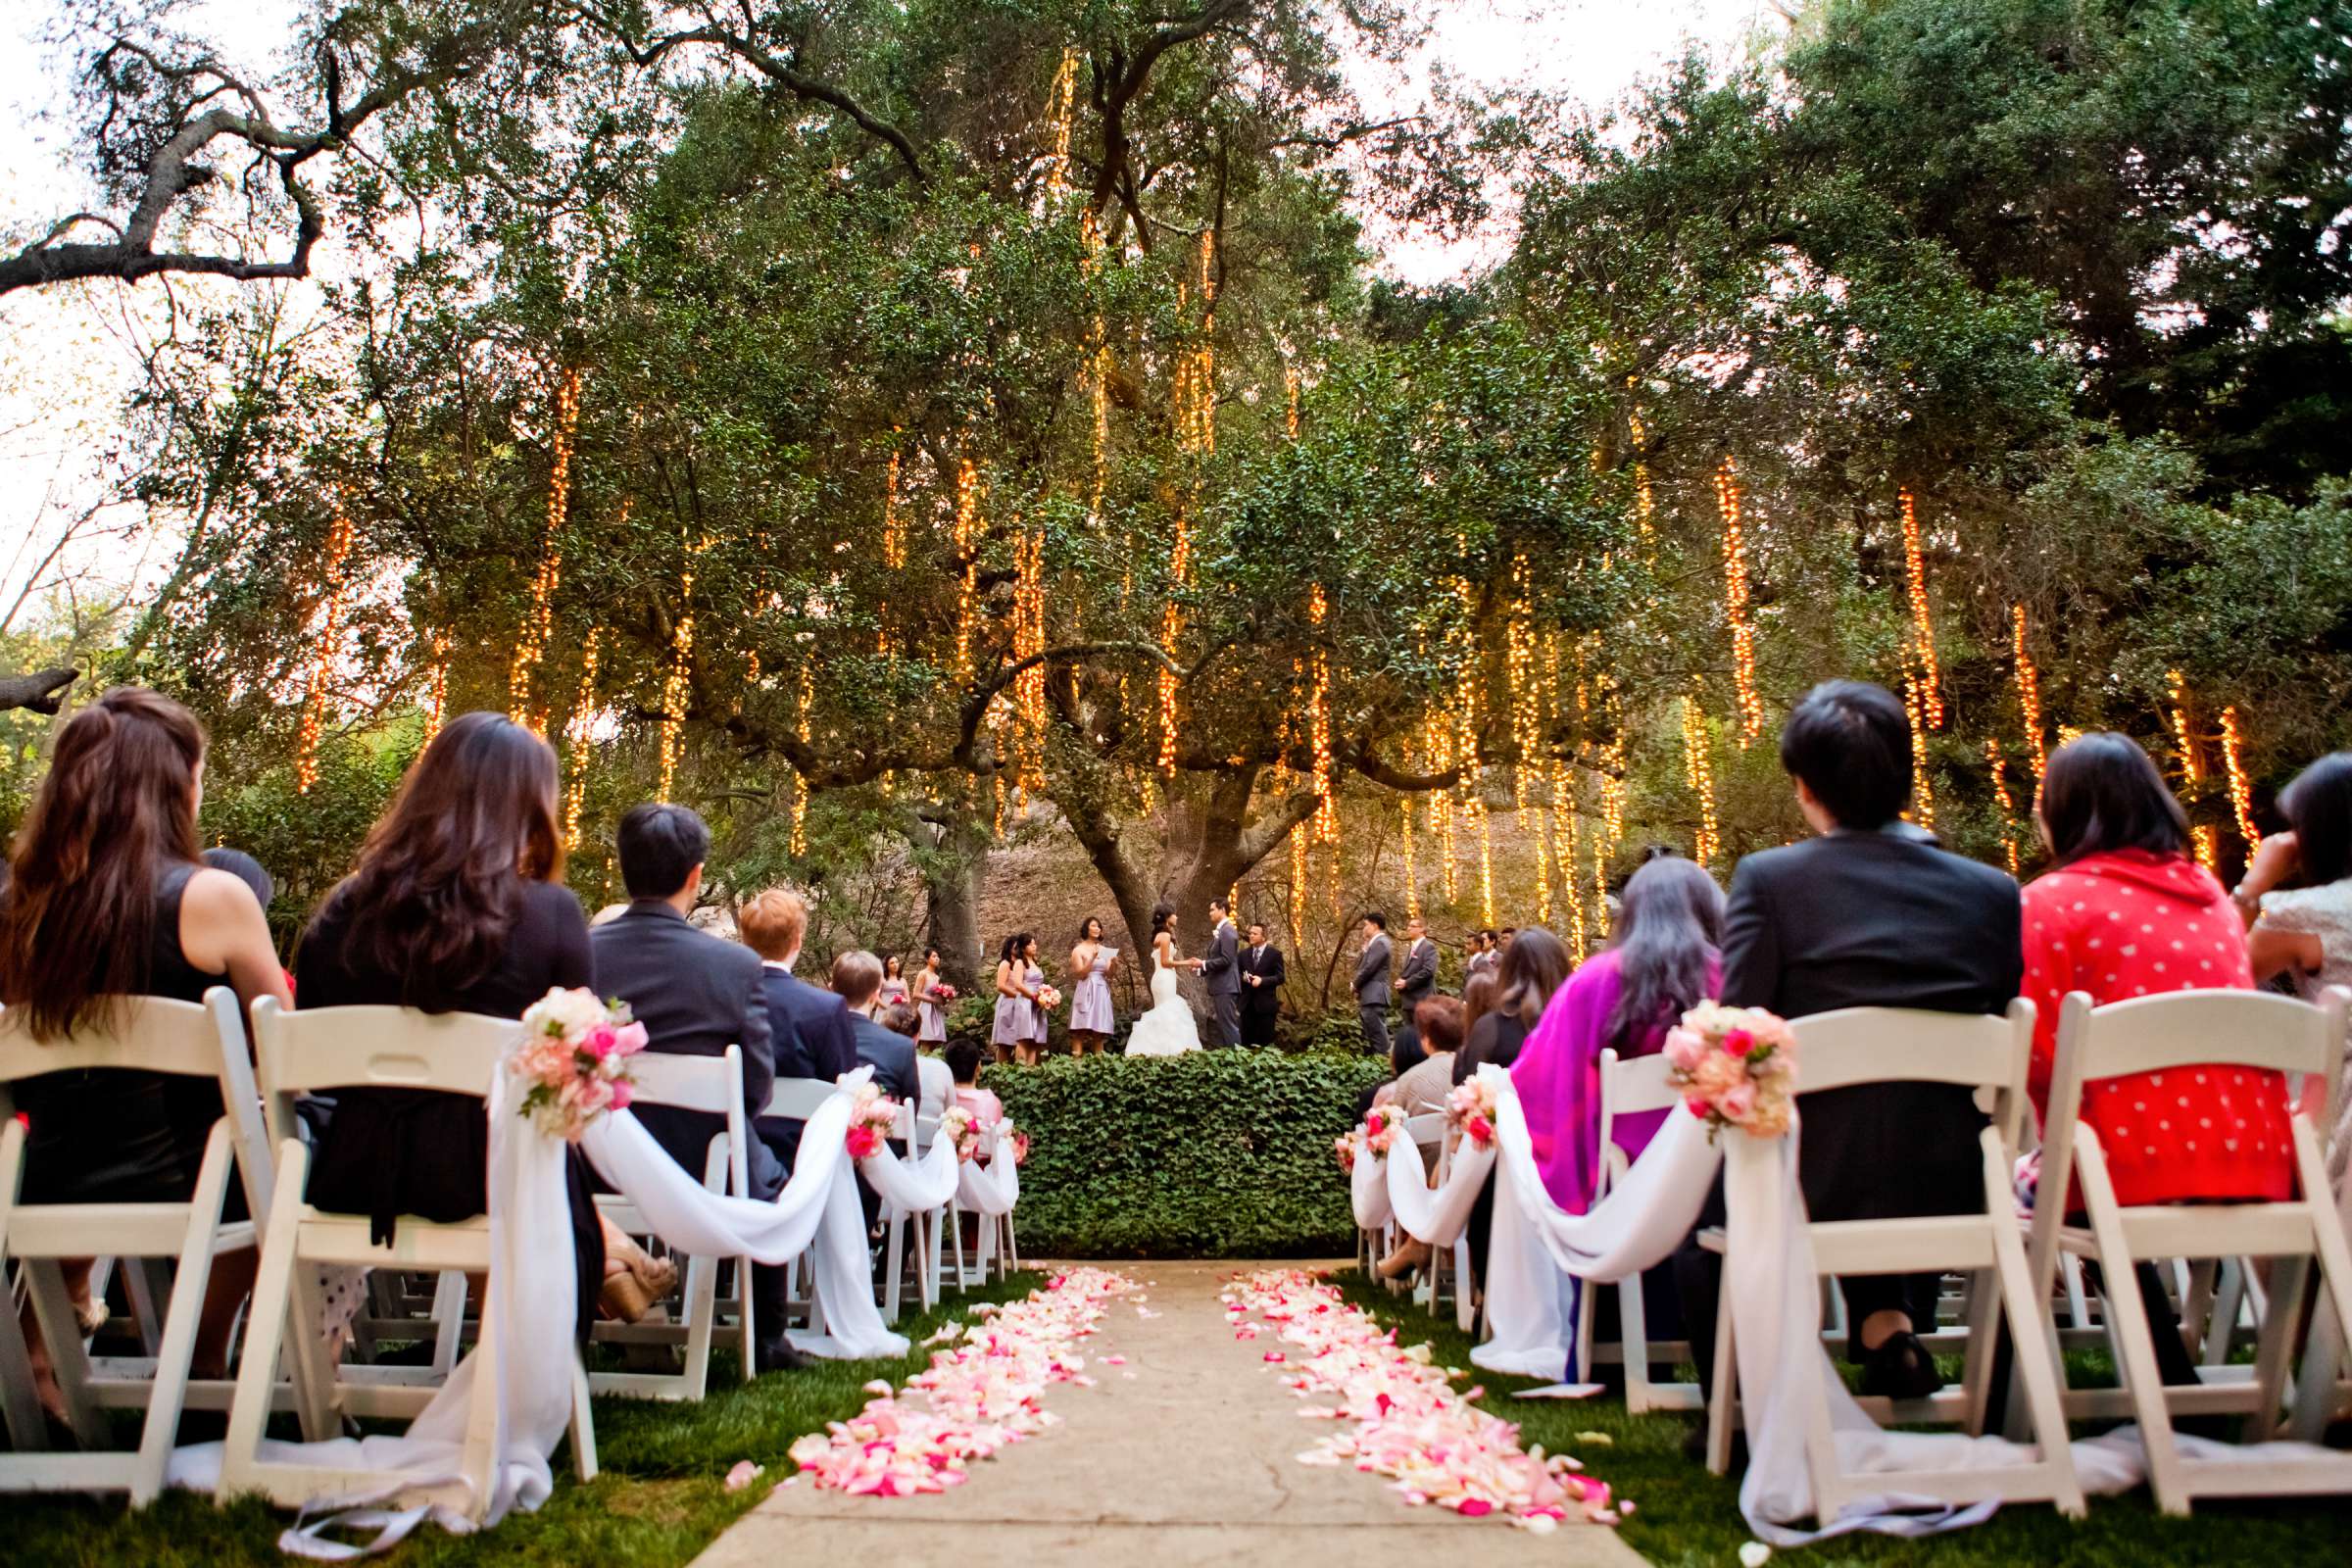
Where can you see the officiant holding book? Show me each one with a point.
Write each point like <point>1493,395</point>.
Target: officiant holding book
<point>1262,976</point>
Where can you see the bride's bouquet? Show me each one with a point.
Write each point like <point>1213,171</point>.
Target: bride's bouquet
<point>872,1116</point>
<point>574,1052</point>
<point>961,1128</point>
<point>1381,1124</point>
<point>1736,1067</point>
<point>1471,1107</point>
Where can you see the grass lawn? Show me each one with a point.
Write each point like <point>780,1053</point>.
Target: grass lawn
<point>1685,1517</point>
<point>658,1499</point>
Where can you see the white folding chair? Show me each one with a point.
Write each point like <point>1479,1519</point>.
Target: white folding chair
<point>2194,1033</point>
<point>1428,1130</point>
<point>713,1086</point>
<point>1990,1055</point>
<point>149,1033</point>
<point>386,1048</point>
<point>1628,1088</point>
<point>798,1099</point>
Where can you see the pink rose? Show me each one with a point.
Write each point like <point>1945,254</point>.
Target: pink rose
<point>1481,1130</point>
<point>1739,1043</point>
<point>1684,1049</point>
<point>629,1039</point>
<point>621,1091</point>
<point>600,1042</point>
<point>862,1142</point>
<point>1738,1103</point>
<point>1695,1105</point>
<point>1716,1073</point>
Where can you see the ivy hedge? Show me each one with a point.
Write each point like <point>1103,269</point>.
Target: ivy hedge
<point>1215,1154</point>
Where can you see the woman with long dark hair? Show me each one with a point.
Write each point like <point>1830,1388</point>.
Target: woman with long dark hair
<point>933,1029</point>
<point>1016,998</point>
<point>1092,964</point>
<point>2306,930</point>
<point>456,906</point>
<point>1533,967</point>
<point>1625,999</point>
<point>107,898</point>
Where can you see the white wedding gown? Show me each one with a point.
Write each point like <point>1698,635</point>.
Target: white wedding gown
<point>1168,1029</point>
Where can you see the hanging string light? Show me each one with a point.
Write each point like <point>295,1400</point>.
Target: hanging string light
<point>893,521</point>
<point>2241,792</point>
<point>800,795</point>
<point>538,625</point>
<point>2205,836</point>
<point>2029,692</point>
<point>1029,687</point>
<point>1576,939</point>
<point>1289,397</point>
<point>1699,769</point>
<point>438,703</point>
<point>677,686</point>
<point>1486,860</point>
<point>578,734</point>
<point>1923,631</point>
<point>1061,111</point>
<point>1412,882</point>
<point>2008,801</point>
<point>1735,603</point>
<point>967,533</point>
<point>1520,676</point>
<point>1922,787</point>
<point>322,657</point>
<point>1318,722</point>
<point>1643,500</point>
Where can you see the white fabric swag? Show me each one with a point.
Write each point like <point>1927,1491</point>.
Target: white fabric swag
<point>533,1296</point>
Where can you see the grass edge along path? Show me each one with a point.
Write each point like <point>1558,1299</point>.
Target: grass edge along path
<point>1686,1518</point>
<point>658,1499</point>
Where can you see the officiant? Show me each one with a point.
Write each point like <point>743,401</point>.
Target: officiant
<point>1262,976</point>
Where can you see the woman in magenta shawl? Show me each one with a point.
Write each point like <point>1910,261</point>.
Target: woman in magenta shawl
<point>1665,961</point>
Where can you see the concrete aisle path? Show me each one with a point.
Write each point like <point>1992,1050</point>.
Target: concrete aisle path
<point>1191,1461</point>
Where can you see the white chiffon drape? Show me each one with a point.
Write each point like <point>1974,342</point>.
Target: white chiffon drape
<point>533,1286</point>
<point>1772,1292</point>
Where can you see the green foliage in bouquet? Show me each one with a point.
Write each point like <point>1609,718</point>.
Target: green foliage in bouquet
<point>1216,1154</point>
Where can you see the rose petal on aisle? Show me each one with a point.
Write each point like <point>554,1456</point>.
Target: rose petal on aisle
<point>979,1395</point>
<point>1434,1444</point>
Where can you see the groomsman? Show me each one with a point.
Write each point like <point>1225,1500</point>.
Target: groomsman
<point>1419,975</point>
<point>1262,977</point>
<point>1223,975</point>
<point>1372,983</point>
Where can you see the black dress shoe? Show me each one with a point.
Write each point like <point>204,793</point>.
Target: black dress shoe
<point>1900,1369</point>
<point>780,1356</point>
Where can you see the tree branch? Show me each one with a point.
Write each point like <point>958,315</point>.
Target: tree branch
<point>42,693</point>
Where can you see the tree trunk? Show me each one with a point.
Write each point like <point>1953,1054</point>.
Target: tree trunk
<point>951,851</point>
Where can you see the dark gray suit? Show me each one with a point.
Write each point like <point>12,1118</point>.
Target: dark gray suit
<point>1223,977</point>
<point>696,995</point>
<point>891,1055</point>
<point>1418,976</point>
<point>1372,992</point>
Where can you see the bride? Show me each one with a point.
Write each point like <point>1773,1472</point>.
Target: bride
<point>1168,1029</point>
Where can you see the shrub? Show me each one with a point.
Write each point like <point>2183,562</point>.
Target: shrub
<point>1215,1154</point>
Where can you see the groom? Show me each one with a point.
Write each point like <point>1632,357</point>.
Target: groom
<point>1223,975</point>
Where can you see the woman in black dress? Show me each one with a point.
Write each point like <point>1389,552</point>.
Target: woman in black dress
<point>456,906</point>
<point>107,899</point>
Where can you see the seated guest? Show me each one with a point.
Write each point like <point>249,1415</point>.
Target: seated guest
<point>1421,1088</point>
<point>106,898</point>
<point>2307,931</point>
<point>1404,1054</point>
<point>695,994</point>
<point>963,1060</point>
<point>809,1027</point>
<point>1868,913</point>
<point>1622,1000</point>
<point>1528,975</point>
<point>938,1084</point>
<point>456,906</point>
<point>1478,994</point>
<point>2118,848</point>
<point>857,981</point>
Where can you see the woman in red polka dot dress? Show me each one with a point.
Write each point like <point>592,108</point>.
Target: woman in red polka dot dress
<point>2126,913</point>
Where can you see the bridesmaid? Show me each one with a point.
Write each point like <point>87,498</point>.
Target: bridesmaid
<point>1092,1022</point>
<point>1016,998</point>
<point>894,982</point>
<point>1040,1020</point>
<point>933,1030</point>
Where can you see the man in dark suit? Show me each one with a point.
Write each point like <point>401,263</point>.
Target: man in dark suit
<point>696,995</point>
<point>857,981</point>
<point>1222,975</point>
<point>1417,976</point>
<point>1372,983</point>
<point>1262,977</point>
<point>1870,913</point>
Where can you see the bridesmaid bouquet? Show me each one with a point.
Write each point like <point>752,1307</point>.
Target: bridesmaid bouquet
<point>1471,1107</point>
<point>1736,1067</point>
<point>1047,998</point>
<point>872,1120</point>
<point>963,1129</point>
<point>942,994</point>
<point>575,1052</point>
<point>1381,1123</point>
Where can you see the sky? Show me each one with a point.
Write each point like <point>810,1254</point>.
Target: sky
<point>66,355</point>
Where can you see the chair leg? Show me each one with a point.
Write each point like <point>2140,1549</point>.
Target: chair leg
<point>893,1244</point>
<point>176,1349</point>
<point>1633,1341</point>
<point>583,1425</point>
<point>477,1461</point>
<point>448,1321</point>
<point>2136,1355</point>
<point>60,1335</point>
<point>1976,1367</point>
<point>1721,1405</point>
<point>2034,1349</point>
<point>2279,1333</point>
<point>2229,1302</point>
<point>265,1329</point>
